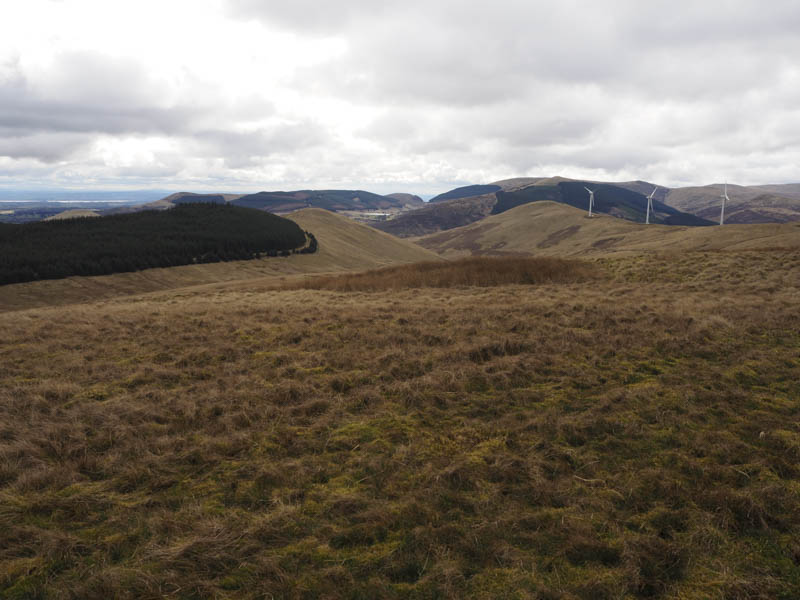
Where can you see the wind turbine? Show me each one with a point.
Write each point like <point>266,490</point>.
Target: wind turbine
<point>650,205</point>
<point>724,199</point>
<point>591,199</point>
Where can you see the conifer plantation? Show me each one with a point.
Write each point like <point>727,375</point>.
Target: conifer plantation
<point>186,234</point>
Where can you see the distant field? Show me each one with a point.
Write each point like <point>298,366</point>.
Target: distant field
<point>634,436</point>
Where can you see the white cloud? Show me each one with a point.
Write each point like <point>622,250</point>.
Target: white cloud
<point>384,94</point>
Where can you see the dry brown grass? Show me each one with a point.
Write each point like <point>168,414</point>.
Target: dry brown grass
<point>476,271</point>
<point>575,440</point>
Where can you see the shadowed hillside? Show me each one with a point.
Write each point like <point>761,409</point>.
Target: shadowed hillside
<point>468,191</point>
<point>618,201</point>
<point>440,216</point>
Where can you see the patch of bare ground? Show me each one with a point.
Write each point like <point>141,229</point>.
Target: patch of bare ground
<point>633,436</point>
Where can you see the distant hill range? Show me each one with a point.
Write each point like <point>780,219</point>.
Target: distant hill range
<point>286,202</point>
<point>748,204</point>
<point>695,206</point>
<point>454,209</point>
<point>554,228</point>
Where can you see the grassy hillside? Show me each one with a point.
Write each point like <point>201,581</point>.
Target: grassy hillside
<point>74,213</point>
<point>335,200</point>
<point>467,191</point>
<point>747,204</point>
<point>447,214</point>
<point>440,216</point>
<point>550,228</point>
<point>344,245</point>
<point>631,437</point>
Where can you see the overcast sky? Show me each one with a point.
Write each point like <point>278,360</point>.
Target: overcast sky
<point>395,95</point>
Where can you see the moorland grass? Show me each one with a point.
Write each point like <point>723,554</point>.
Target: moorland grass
<point>634,436</point>
<point>475,271</point>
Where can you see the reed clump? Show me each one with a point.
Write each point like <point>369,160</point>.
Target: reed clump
<point>467,272</point>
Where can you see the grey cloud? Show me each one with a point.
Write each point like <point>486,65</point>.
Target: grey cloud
<point>87,94</point>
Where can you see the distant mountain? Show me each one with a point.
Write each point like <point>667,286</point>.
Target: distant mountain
<point>611,199</point>
<point>407,199</point>
<point>439,216</point>
<point>748,204</point>
<point>467,192</point>
<point>74,213</point>
<point>284,202</point>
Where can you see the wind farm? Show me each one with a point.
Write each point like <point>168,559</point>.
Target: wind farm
<point>393,300</point>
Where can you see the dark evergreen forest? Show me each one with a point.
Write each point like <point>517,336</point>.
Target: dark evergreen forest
<point>186,234</point>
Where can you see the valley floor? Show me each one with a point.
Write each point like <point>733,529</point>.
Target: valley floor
<point>637,436</point>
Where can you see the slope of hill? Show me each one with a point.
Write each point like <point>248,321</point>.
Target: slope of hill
<point>346,245</point>
<point>74,213</point>
<point>756,204</point>
<point>556,229</point>
<point>610,199</point>
<point>516,182</point>
<point>189,233</point>
<point>439,216</point>
<point>407,199</point>
<point>188,198</point>
<point>335,200</point>
<point>623,203</point>
<point>467,191</point>
<point>343,245</point>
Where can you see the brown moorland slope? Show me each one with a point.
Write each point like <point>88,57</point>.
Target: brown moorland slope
<point>632,437</point>
<point>748,204</point>
<point>550,228</point>
<point>344,245</point>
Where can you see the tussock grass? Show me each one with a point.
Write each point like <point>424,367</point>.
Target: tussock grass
<point>476,271</point>
<point>633,437</point>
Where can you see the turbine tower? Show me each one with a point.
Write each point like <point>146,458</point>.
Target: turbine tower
<point>724,200</point>
<point>591,199</point>
<point>650,205</point>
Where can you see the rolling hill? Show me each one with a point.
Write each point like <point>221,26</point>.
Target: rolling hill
<point>439,216</point>
<point>467,191</point>
<point>553,228</point>
<point>748,204</point>
<point>343,245</point>
<point>616,200</point>
<point>74,213</point>
<point>285,202</point>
